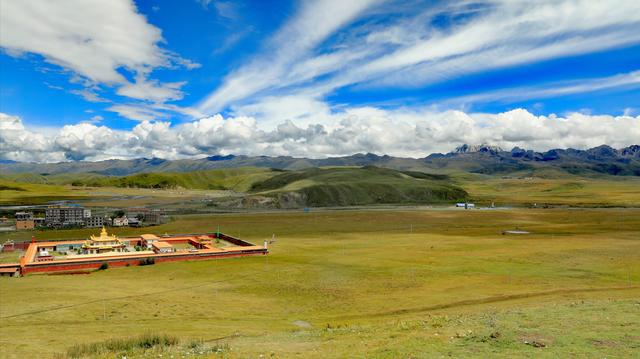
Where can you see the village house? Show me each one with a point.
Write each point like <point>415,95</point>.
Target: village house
<point>134,222</point>
<point>120,222</point>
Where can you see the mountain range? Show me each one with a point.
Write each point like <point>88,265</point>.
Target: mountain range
<point>486,159</point>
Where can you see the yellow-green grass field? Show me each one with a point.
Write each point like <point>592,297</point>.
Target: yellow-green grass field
<point>374,284</point>
<point>22,193</point>
<point>565,190</point>
<point>572,191</point>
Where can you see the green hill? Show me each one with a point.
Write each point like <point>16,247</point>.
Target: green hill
<point>54,179</point>
<point>18,193</point>
<point>237,179</point>
<point>347,186</point>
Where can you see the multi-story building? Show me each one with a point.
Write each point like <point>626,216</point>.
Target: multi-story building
<point>154,217</point>
<point>59,216</point>
<point>94,221</point>
<point>138,212</point>
<point>149,216</point>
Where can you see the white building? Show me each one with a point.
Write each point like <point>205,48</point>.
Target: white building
<point>120,222</point>
<point>465,205</point>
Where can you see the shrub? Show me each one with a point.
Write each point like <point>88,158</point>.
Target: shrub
<point>104,266</point>
<point>147,261</point>
<point>144,341</point>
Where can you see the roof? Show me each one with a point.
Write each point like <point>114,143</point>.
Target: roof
<point>149,237</point>
<point>161,244</point>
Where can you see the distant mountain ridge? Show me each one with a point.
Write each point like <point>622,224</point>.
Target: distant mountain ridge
<point>471,158</point>
<point>478,148</point>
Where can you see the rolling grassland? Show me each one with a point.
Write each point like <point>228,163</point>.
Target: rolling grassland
<point>375,283</point>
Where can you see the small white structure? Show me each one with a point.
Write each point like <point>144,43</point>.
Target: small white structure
<point>120,222</point>
<point>465,205</point>
<point>149,239</point>
<point>162,247</point>
<point>517,231</point>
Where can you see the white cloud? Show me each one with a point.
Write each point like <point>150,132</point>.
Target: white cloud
<point>401,132</point>
<point>96,41</point>
<point>19,144</point>
<point>314,57</point>
<point>95,119</point>
<point>152,90</point>
<point>506,33</point>
<point>84,140</point>
<point>315,21</point>
<point>547,90</point>
<point>88,95</point>
<point>137,112</point>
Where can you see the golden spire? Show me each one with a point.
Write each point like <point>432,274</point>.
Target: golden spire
<point>104,236</point>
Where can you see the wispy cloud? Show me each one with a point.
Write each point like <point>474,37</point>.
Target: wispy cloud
<point>314,55</point>
<point>315,21</point>
<point>547,90</point>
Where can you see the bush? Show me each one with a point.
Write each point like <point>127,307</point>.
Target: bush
<point>147,261</point>
<point>104,266</point>
<point>144,341</point>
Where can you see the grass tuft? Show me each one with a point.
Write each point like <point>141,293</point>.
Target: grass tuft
<point>144,341</point>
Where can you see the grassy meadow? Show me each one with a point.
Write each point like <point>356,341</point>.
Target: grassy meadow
<point>330,187</point>
<point>565,191</point>
<point>375,283</point>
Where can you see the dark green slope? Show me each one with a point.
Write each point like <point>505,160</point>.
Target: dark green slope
<point>321,187</point>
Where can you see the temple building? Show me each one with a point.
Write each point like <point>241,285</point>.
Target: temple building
<point>102,244</point>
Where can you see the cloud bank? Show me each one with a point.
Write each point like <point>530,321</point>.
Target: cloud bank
<point>408,133</point>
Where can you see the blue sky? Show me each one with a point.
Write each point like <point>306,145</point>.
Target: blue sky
<point>287,74</point>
